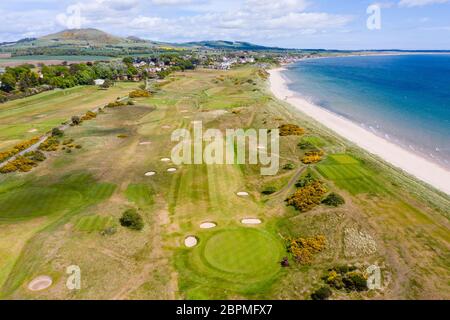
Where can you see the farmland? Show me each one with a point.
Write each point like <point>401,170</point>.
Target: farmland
<point>63,211</point>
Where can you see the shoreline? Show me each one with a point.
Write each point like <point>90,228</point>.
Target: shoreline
<point>397,156</point>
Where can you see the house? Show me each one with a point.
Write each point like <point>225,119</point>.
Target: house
<point>99,82</point>
<point>2,70</point>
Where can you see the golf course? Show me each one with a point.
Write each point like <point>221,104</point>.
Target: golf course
<point>207,231</point>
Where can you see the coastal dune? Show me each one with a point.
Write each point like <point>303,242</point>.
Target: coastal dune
<point>409,162</point>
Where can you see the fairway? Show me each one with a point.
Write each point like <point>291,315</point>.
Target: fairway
<point>93,223</point>
<point>242,251</point>
<point>348,173</point>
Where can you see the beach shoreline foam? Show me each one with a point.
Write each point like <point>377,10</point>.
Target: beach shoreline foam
<point>397,156</point>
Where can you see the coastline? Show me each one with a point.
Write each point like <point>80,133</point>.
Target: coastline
<point>397,156</point>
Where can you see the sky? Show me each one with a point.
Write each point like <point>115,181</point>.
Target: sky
<point>327,24</point>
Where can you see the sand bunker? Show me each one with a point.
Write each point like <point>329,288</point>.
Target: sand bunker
<point>242,194</point>
<point>261,147</point>
<point>171,169</point>
<point>32,130</point>
<point>166,127</point>
<point>190,241</point>
<point>208,225</point>
<point>251,221</point>
<point>165,159</point>
<point>150,173</point>
<point>184,111</point>
<point>144,143</point>
<point>40,283</point>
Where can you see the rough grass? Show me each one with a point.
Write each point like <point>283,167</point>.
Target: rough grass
<point>94,223</point>
<point>140,194</point>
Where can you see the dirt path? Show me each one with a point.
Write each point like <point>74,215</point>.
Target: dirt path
<point>290,184</point>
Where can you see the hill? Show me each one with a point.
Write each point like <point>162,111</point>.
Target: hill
<point>84,35</point>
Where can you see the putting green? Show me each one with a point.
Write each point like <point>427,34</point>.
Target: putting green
<point>242,251</point>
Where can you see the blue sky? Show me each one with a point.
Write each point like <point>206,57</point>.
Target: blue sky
<point>339,24</point>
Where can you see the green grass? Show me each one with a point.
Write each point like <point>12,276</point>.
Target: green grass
<point>140,194</point>
<point>94,223</point>
<point>348,173</point>
<point>314,140</point>
<point>237,259</point>
<point>32,200</point>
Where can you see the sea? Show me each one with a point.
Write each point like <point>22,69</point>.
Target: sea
<point>402,98</point>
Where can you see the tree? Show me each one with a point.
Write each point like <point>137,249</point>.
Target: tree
<point>8,82</point>
<point>132,220</point>
<point>76,120</point>
<point>127,60</point>
<point>333,200</point>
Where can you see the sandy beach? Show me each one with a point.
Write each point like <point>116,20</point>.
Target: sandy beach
<point>411,163</point>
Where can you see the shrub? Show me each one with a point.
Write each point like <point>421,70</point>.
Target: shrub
<point>304,181</point>
<point>76,120</point>
<point>348,278</point>
<point>50,144</point>
<point>139,94</point>
<point>115,104</point>
<point>130,103</point>
<point>291,130</point>
<point>333,200</point>
<point>17,148</point>
<point>89,116</point>
<point>21,163</point>
<point>269,190</point>
<point>67,141</point>
<point>303,249</point>
<point>289,166</point>
<point>304,145</point>
<point>56,132</point>
<point>307,197</point>
<point>312,157</point>
<point>122,136</point>
<point>35,155</point>
<point>322,293</point>
<point>132,219</point>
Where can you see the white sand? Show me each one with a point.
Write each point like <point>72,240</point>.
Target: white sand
<point>251,221</point>
<point>32,130</point>
<point>242,194</point>
<point>190,241</point>
<point>415,165</point>
<point>208,225</point>
<point>150,173</point>
<point>145,143</point>
<point>171,169</point>
<point>165,159</point>
<point>40,283</point>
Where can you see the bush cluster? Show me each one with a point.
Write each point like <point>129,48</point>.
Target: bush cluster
<point>132,219</point>
<point>21,163</point>
<point>291,130</point>
<point>312,157</point>
<point>115,104</point>
<point>307,197</point>
<point>269,190</point>
<point>50,144</point>
<point>345,277</point>
<point>323,293</point>
<point>89,116</point>
<point>139,93</point>
<point>17,148</point>
<point>333,200</point>
<point>56,132</point>
<point>304,249</point>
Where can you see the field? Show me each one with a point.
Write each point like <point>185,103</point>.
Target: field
<point>66,211</point>
<point>32,116</point>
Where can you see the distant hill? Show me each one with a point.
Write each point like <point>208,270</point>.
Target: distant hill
<point>232,45</point>
<point>85,35</point>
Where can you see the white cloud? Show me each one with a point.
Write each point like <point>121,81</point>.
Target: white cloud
<point>419,3</point>
<point>171,2</point>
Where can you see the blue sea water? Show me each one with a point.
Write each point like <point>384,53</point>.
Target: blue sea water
<point>404,98</point>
